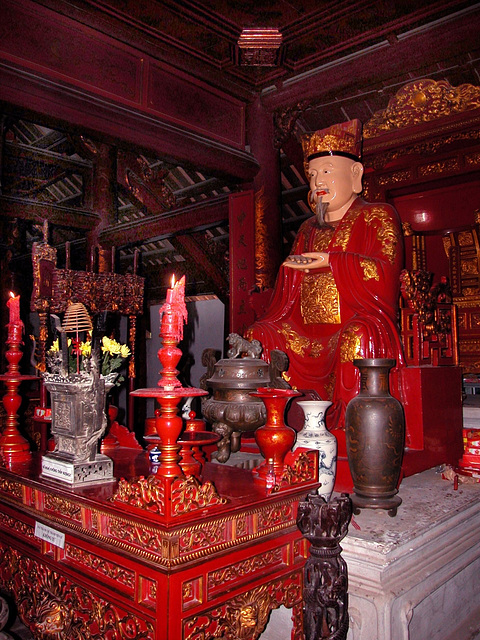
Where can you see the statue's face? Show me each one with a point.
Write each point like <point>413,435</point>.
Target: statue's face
<point>335,180</point>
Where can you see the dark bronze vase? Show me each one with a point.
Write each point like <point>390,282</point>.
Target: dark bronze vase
<point>375,435</point>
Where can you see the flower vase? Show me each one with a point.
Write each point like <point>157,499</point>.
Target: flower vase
<point>274,439</point>
<point>315,435</point>
<point>375,435</point>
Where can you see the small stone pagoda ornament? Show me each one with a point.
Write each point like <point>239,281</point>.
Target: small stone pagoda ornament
<point>78,411</point>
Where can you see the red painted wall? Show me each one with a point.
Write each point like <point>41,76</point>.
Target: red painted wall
<point>438,210</point>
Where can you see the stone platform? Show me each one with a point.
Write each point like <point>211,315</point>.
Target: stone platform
<point>415,576</point>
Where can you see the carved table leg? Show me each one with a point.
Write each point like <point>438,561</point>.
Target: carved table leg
<point>324,524</point>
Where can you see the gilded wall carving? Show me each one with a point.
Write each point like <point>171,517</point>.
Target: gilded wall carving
<point>422,101</point>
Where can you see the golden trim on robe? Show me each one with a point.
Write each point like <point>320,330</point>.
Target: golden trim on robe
<point>386,232</point>
<point>293,340</point>
<point>350,347</point>
<point>369,269</point>
<point>319,299</point>
<point>299,344</point>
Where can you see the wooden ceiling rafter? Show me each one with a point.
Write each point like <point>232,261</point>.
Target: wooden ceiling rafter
<point>58,215</point>
<point>191,217</point>
<point>199,256</point>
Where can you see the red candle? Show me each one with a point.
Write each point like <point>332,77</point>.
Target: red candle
<point>174,311</point>
<point>13,305</point>
<point>170,291</point>
<point>179,294</point>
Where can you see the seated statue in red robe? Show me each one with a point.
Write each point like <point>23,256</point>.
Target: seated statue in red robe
<point>336,296</point>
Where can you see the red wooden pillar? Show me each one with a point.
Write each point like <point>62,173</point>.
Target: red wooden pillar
<point>104,183</point>
<point>267,188</point>
<point>242,265</point>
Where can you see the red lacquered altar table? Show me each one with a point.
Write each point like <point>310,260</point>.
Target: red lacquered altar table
<point>212,559</point>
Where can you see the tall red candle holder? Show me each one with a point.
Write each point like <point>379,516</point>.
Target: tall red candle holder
<point>13,446</point>
<point>168,423</point>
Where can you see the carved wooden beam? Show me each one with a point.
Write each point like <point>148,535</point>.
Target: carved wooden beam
<point>194,216</point>
<point>39,211</point>
<point>145,185</point>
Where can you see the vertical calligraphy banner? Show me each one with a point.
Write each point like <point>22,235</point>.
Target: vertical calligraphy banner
<point>242,260</point>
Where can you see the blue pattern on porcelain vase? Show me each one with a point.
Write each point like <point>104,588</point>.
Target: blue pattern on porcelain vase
<point>315,435</point>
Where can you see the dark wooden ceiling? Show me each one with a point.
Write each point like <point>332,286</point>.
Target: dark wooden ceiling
<point>203,37</point>
<point>328,62</point>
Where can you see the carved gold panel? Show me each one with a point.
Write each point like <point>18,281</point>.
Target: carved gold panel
<point>100,566</point>
<point>218,580</point>
<point>465,238</point>
<point>319,300</point>
<point>422,101</point>
<point>56,608</point>
<point>469,267</point>
<point>439,167</point>
<point>395,178</point>
<point>245,616</point>
<point>192,593</point>
<point>472,159</point>
<point>474,320</point>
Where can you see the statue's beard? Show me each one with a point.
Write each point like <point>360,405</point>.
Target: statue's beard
<point>320,211</point>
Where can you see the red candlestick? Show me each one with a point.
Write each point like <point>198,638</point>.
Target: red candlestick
<point>13,446</point>
<point>168,423</point>
<point>170,292</point>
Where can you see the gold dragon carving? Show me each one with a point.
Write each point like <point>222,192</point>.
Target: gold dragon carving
<point>144,493</point>
<point>188,494</point>
<point>299,344</point>
<point>422,101</point>
<point>149,493</point>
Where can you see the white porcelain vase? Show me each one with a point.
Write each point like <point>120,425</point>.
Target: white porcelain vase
<point>315,435</point>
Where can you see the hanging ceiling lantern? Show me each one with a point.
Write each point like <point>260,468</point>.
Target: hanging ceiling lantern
<point>259,48</point>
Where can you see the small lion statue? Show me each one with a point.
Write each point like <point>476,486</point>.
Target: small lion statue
<point>239,345</point>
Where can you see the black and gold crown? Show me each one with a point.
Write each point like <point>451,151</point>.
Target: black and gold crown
<point>344,139</point>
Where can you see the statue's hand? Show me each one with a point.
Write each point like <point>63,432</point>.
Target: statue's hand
<point>307,261</point>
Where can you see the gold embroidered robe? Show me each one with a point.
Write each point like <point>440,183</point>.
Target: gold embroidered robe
<point>327,317</point>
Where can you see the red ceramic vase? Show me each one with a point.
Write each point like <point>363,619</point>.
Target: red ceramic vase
<point>275,439</point>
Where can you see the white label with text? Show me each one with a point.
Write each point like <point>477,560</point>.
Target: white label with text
<point>47,534</point>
